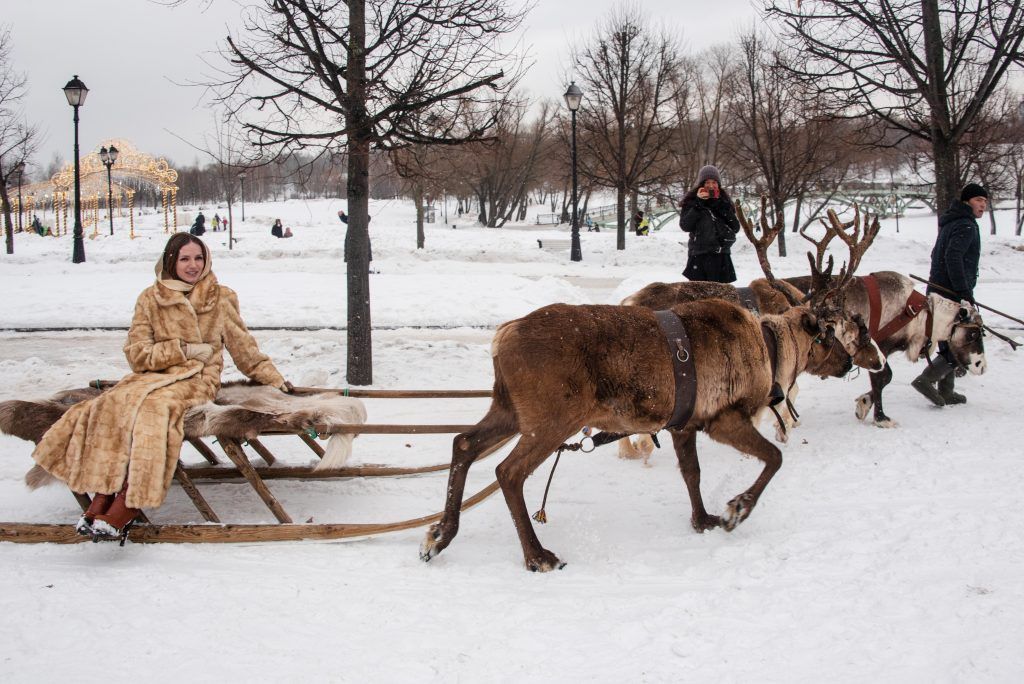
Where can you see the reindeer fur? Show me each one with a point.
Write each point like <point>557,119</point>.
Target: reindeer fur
<point>240,410</point>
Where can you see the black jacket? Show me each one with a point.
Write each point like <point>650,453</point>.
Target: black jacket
<point>711,223</point>
<point>956,252</point>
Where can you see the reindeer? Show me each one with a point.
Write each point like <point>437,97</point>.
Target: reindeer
<point>769,296</point>
<point>562,367</point>
<point>900,320</point>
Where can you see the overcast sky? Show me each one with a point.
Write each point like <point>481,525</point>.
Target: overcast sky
<point>132,54</point>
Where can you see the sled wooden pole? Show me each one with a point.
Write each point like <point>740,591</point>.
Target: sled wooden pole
<point>262,450</point>
<point>309,473</point>
<point>311,443</point>
<point>29,533</point>
<point>397,394</point>
<point>204,450</point>
<point>234,451</point>
<point>377,429</point>
<point>193,493</point>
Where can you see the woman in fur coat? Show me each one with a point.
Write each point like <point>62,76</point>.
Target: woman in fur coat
<point>123,445</point>
<point>708,216</point>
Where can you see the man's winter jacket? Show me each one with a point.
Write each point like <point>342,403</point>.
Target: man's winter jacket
<point>956,252</point>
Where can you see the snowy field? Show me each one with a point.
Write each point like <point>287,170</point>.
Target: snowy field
<point>874,555</point>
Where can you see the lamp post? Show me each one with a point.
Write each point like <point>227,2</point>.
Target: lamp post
<point>241,179</point>
<point>76,91</point>
<point>108,156</point>
<point>573,97</point>
<point>19,169</point>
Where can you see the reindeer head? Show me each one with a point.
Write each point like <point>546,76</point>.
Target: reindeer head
<point>967,341</point>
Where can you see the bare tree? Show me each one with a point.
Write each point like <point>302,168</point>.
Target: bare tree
<point>18,140</point>
<point>627,72</point>
<point>925,67</point>
<point>779,129</point>
<point>327,74</point>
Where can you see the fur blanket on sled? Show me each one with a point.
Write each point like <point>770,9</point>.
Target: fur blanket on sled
<point>240,410</point>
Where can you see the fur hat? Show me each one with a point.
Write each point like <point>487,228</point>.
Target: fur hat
<point>972,190</point>
<point>707,173</point>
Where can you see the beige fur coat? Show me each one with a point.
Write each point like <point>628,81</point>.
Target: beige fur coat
<point>136,428</point>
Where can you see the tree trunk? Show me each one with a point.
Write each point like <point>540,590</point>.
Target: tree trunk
<point>421,238</point>
<point>796,212</point>
<point>357,238</point>
<point>620,217</point>
<point>947,177</point>
<point>9,232</point>
<point>992,213</point>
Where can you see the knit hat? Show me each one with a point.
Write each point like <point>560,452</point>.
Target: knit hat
<point>707,173</point>
<point>972,190</point>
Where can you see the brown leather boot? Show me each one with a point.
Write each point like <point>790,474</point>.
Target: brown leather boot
<point>99,504</point>
<point>114,523</point>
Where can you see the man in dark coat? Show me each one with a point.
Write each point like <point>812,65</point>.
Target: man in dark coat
<point>199,227</point>
<point>708,216</point>
<point>954,269</point>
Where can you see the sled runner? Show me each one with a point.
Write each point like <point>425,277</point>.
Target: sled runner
<point>234,425</point>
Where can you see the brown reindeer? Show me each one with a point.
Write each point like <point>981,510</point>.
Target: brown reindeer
<point>562,367</point>
<point>768,296</point>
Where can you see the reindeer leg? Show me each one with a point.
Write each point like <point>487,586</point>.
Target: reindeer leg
<point>530,452</point>
<point>489,434</point>
<point>733,428</point>
<point>685,443</point>
<point>878,382</point>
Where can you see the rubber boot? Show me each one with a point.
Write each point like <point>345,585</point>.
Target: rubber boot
<point>99,504</point>
<point>113,525</point>
<point>946,385</point>
<point>925,383</point>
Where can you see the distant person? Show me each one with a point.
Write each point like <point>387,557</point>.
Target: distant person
<point>276,230</point>
<point>588,223</point>
<point>344,219</point>
<point>954,269</point>
<point>199,226</point>
<point>37,226</point>
<point>287,233</point>
<point>708,216</point>
<point>643,225</point>
<point>215,223</point>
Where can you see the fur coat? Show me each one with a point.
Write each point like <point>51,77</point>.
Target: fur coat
<point>135,429</point>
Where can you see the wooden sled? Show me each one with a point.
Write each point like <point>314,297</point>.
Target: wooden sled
<point>241,467</point>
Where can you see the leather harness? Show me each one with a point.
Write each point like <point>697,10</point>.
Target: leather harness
<point>683,368</point>
<point>916,303</point>
<point>748,300</point>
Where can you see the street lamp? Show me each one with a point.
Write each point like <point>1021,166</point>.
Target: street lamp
<point>19,169</point>
<point>76,91</point>
<point>573,96</point>
<point>108,157</point>
<point>241,178</point>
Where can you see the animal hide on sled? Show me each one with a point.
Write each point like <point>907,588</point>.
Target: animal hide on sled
<point>240,410</point>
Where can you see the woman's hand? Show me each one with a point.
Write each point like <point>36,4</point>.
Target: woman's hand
<point>200,350</point>
<point>702,193</point>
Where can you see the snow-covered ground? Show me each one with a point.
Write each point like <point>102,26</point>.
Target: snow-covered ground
<point>874,555</point>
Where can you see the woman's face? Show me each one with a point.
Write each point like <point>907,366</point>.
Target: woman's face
<point>711,186</point>
<point>190,263</point>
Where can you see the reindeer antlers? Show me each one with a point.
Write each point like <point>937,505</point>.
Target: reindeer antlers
<point>768,235</point>
<point>855,242</point>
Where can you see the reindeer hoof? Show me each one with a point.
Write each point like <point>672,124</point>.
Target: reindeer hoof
<point>706,522</point>
<point>737,511</point>
<point>431,545</point>
<point>780,436</point>
<point>886,423</point>
<point>863,405</point>
<point>546,562</point>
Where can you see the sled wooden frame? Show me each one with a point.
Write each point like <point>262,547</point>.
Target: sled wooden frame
<point>214,531</point>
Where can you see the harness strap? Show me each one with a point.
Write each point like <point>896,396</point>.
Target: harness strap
<point>748,300</point>
<point>776,396</point>
<point>915,304</point>
<point>874,304</point>
<point>683,368</point>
